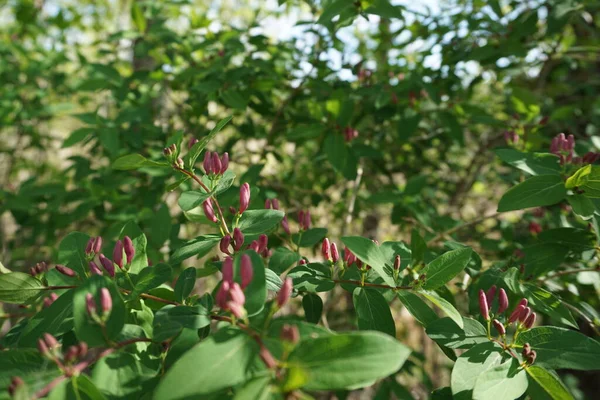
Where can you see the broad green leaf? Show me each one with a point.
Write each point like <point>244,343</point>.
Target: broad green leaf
<point>479,359</point>
<point>185,284</point>
<point>537,191</point>
<point>160,226</point>
<point>19,287</point>
<point>541,258</point>
<point>313,307</point>
<point>199,247</point>
<point>445,267</point>
<point>274,282</point>
<point>573,238</point>
<point>192,199</point>
<point>282,259</point>
<point>581,205</point>
<point>579,178</point>
<point>56,320</point>
<point>232,356</point>
<point>256,292</point>
<point>77,388</point>
<point>120,375</point>
<point>369,253</point>
<point>138,18</point>
<point>507,381</point>
<point>590,183</point>
<point>550,382</point>
<point>373,311</point>
<point>196,150</point>
<point>313,277</point>
<point>543,301</point>
<point>446,333</point>
<point>350,360</point>
<point>532,163</point>
<point>418,247</point>
<point>71,252</point>
<point>135,161</point>
<point>310,237</point>
<point>170,319</point>
<point>85,329</point>
<point>255,222</point>
<point>444,305</point>
<point>151,277</point>
<point>28,364</point>
<point>562,348</point>
<point>257,389</point>
<point>417,307</point>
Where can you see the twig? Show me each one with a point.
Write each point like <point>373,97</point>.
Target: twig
<point>461,226</point>
<point>585,317</point>
<point>359,283</point>
<point>567,272</point>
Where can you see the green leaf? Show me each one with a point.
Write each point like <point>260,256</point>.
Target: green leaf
<point>507,381</point>
<point>310,237</point>
<point>589,183</point>
<point>71,252</point>
<point>581,205</point>
<point>313,307</point>
<point>160,226</point>
<point>274,282</point>
<point>185,284</point>
<point>151,277</point>
<point>550,382</point>
<point>19,287</point>
<point>85,329</point>
<point>373,311</point>
<point>562,348</point>
<point>256,292</point>
<point>573,238</point>
<point>192,199</point>
<point>369,253</point>
<point>257,389</point>
<point>417,307</point>
<point>444,305</point>
<point>538,191</point>
<point>313,277</point>
<point>579,178</point>
<point>541,258</point>
<point>28,364</point>
<point>445,267</point>
<point>334,8</point>
<point>418,247</point>
<point>255,222</point>
<point>479,359</point>
<point>199,247</point>
<point>532,163</point>
<point>446,333</point>
<point>196,150</point>
<point>337,152</point>
<point>282,259</point>
<point>351,360</point>
<point>56,320</point>
<point>135,161</point>
<point>232,355</point>
<point>137,16</point>
<point>77,388</point>
<point>140,259</point>
<point>543,301</point>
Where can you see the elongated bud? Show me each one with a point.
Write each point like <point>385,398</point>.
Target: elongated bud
<point>335,255</point>
<point>290,333</point>
<point>526,349</point>
<point>224,244</point>
<point>83,349</point>
<point>94,268</point>
<point>118,254</point>
<point>524,314</point>
<point>167,152</point>
<point>43,348</point>
<point>224,162</point>
<point>285,292</point>
<point>246,270</point>
<point>253,246</point>
<point>286,225</point>
<point>108,265</point>
<point>502,301</point>
<point>179,163</point>
<point>530,321</point>
<point>236,309</point>
<point>263,241</point>
<point>227,269</point>
<point>216,162</point>
<point>237,294</point>
<point>531,357</point>
<point>397,262</point>
<point>483,305</point>
<point>267,358</point>
<point>207,163</point>
<point>98,244</point>
<point>523,303</point>
<point>71,354</point>
<point>302,262</point>
<point>105,301</point>
<point>307,221</point>
<point>192,142</point>
<point>275,204</point>
<point>51,341</point>
<point>89,248</point>
<point>15,383</point>
<point>244,197</point>
<point>268,204</point>
<point>238,239</point>
<point>515,314</point>
<point>222,296</point>
<point>65,270</point>
<point>90,304</point>
<point>129,249</point>
<point>207,207</point>
<point>499,327</point>
<point>489,295</point>
<point>326,249</point>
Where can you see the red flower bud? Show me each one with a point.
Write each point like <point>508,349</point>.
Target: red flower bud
<point>94,268</point>
<point>118,254</point>
<point>515,314</point>
<point>224,162</point>
<point>97,245</point>
<point>105,300</point>
<point>268,204</point>
<point>307,220</point>
<point>65,270</point>
<point>483,305</point>
<point>71,354</point>
<point>285,292</point>
<point>246,270</point>
<point>335,255</point>
<point>227,269</point>
<point>267,358</point>
<point>531,357</point>
<point>179,163</point>
<point>524,314</point>
<point>236,294</point>
<point>502,301</point>
<point>236,309</point>
<point>224,244</point>
<point>192,142</point>
<point>207,163</point>
<point>326,249</point>
<point>290,333</point>
<point>42,347</point>
<point>535,228</point>
<point>302,262</point>
<point>15,383</point>
<point>51,341</point>
<point>489,295</point>
<point>523,303</point>
<point>244,197</point>
<point>216,162</point>
<point>397,262</point>
<point>90,304</point>
<point>530,321</point>
<point>108,265</point>
<point>238,239</point>
<point>222,296</point>
<point>253,246</point>
<point>83,349</point>
<point>285,225</point>
<point>129,249</point>
<point>263,241</point>
<point>89,248</point>
<point>499,327</point>
<point>275,204</point>
<point>207,207</point>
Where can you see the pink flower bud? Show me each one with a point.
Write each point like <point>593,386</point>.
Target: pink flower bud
<point>267,358</point>
<point>90,304</point>
<point>207,163</point>
<point>483,305</point>
<point>192,142</point>
<point>65,270</point>
<point>222,296</point>
<point>236,294</point>
<point>216,163</point>
<point>118,254</point>
<point>526,349</point>
<point>167,152</point>
<point>129,249</point>
<point>285,225</point>
<point>275,204</point>
<point>236,309</point>
<point>285,292</point>
<point>42,347</point>
<point>489,295</point>
<point>238,239</point>
<point>515,314</point>
<point>263,241</point>
<point>179,163</point>
<point>524,314</point>
<point>523,303</point>
<point>71,354</point>
<point>302,262</point>
<point>105,300</point>
<point>51,341</point>
<point>307,220</point>
<point>335,255</point>
<point>290,333</point>
<point>83,349</point>
<point>244,197</point>
<point>224,162</point>
<point>502,301</point>
<point>108,265</point>
<point>224,244</point>
<point>15,383</point>
<point>246,270</point>
<point>227,269</point>
<point>535,228</point>
<point>499,327</point>
<point>253,246</point>
<point>97,244</point>
<point>94,268</point>
<point>397,262</point>
<point>530,321</point>
<point>268,204</point>
<point>326,249</point>
<point>207,207</point>
<point>531,357</point>
<point>89,248</point>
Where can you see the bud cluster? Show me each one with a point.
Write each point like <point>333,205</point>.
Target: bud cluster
<point>528,354</point>
<point>215,165</point>
<point>273,204</point>
<point>49,347</point>
<point>522,314</point>
<point>329,251</point>
<point>38,269</point>
<point>230,296</point>
<point>50,299</point>
<point>304,220</point>
<point>563,147</point>
<point>123,254</point>
<point>94,246</point>
<point>350,134</point>
<point>105,306</point>
<point>511,137</point>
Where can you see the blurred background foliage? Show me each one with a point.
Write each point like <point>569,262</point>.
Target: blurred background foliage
<point>430,89</point>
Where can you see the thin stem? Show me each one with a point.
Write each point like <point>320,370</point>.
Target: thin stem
<point>567,272</point>
<point>461,226</point>
<point>359,283</point>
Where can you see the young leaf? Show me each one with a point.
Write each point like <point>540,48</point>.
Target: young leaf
<point>255,222</point>
<point>19,287</point>
<point>550,382</point>
<point>444,305</point>
<point>185,284</point>
<point>313,307</point>
<point>507,381</point>
<point>150,278</point>
<point>446,333</point>
<point>538,191</point>
<point>373,311</point>
<point>417,307</point>
<point>479,359</point>
<point>369,253</point>
<point>199,247</point>
<point>445,267</point>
